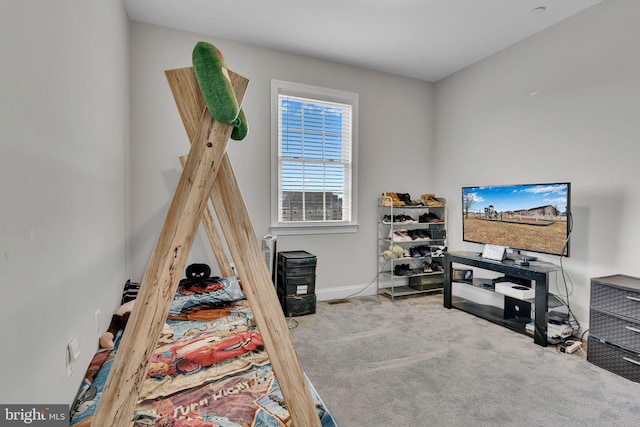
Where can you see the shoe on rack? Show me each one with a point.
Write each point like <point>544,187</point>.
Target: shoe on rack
<point>399,236</point>
<point>405,198</point>
<point>427,267</point>
<point>438,251</point>
<point>420,234</point>
<point>408,201</point>
<point>394,197</point>
<point>405,235</point>
<point>420,251</point>
<point>430,200</point>
<point>402,270</point>
<point>429,217</point>
<point>404,219</point>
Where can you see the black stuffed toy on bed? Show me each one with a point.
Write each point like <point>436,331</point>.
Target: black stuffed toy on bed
<point>197,289</point>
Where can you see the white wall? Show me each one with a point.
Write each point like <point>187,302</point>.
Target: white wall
<point>64,132</point>
<point>559,106</point>
<point>394,145</point>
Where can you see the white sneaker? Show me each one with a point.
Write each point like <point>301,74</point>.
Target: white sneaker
<point>399,236</point>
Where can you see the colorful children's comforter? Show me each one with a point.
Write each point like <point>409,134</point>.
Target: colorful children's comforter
<point>209,369</point>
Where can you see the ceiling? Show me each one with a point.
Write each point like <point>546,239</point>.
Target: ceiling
<point>422,39</point>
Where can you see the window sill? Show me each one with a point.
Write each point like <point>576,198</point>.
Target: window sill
<point>301,229</point>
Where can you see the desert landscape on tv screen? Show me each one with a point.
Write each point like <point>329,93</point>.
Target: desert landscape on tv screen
<point>528,217</point>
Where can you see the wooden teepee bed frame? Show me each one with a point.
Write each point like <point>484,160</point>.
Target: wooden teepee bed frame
<point>207,174</point>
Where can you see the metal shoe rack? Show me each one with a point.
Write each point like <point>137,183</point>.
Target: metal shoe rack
<point>406,275</point>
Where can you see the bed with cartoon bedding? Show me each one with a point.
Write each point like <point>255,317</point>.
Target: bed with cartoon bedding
<point>209,368</point>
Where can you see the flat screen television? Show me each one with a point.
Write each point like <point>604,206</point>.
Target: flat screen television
<point>524,217</point>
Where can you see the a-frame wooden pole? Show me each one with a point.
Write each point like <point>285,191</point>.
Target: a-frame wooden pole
<point>239,233</point>
<point>165,269</point>
<point>260,291</point>
<point>186,92</point>
<point>214,237</point>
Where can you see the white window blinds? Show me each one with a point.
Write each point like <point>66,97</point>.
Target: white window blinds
<point>314,160</point>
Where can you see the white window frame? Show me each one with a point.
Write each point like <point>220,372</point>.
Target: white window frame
<point>279,87</point>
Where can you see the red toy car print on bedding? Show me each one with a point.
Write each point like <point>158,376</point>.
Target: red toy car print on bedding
<point>190,357</point>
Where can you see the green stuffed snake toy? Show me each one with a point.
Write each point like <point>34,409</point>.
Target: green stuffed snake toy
<point>217,92</point>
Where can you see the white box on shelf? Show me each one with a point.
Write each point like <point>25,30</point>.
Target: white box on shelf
<point>514,290</point>
<point>477,295</point>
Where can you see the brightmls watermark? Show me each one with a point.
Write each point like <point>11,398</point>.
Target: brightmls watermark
<point>34,415</point>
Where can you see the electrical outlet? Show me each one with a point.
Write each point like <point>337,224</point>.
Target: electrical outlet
<point>71,355</point>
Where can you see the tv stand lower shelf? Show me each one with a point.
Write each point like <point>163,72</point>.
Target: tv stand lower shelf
<point>516,314</point>
<point>490,313</point>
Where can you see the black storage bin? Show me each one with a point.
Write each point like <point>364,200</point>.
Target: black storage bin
<point>303,285</point>
<point>615,329</point>
<point>614,342</point>
<point>423,283</point>
<point>299,271</point>
<point>296,263</point>
<point>296,282</point>
<point>299,305</point>
<point>614,359</point>
<point>440,234</point>
<point>296,259</point>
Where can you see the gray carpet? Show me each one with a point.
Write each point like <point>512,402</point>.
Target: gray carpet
<point>412,362</point>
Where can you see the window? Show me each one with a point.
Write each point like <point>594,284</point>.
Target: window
<point>313,148</point>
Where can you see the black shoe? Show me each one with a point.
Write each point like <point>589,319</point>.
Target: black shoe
<point>402,270</point>
<point>429,217</point>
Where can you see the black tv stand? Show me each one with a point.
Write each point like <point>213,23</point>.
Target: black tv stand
<point>536,274</point>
